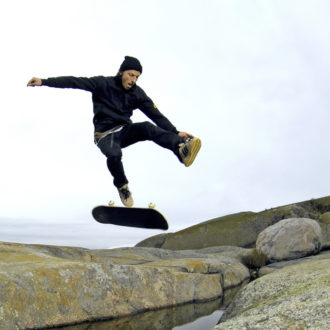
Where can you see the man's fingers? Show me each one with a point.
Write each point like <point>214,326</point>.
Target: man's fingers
<point>186,136</point>
<point>34,82</point>
<point>31,82</point>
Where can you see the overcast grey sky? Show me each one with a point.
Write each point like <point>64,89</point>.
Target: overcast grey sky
<point>249,77</point>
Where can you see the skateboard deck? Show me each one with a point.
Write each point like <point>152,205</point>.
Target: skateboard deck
<point>130,216</point>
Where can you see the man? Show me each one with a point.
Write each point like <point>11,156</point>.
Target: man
<point>114,99</point>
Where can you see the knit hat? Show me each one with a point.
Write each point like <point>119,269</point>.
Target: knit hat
<point>131,63</point>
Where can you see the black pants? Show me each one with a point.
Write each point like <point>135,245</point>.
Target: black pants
<point>112,144</point>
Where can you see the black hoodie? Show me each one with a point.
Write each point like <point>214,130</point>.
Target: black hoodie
<point>113,105</point>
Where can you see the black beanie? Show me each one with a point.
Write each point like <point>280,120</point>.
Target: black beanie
<point>131,63</point>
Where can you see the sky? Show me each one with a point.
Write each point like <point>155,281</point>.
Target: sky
<point>250,78</point>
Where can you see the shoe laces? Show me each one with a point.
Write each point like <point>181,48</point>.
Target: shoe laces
<point>125,192</point>
<point>184,149</point>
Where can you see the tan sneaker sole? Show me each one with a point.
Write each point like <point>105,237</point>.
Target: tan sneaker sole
<point>194,149</point>
<point>128,202</point>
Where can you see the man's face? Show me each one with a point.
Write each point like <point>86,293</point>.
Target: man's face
<point>129,78</point>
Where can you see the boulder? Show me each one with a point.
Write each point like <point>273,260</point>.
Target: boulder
<point>241,229</point>
<point>290,239</point>
<point>47,286</point>
<point>293,297</point>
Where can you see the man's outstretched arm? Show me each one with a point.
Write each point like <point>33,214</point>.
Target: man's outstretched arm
<point>87,84</point>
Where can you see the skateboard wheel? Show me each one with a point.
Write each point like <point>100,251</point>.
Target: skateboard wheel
<point>111,203</point>
<point>152,205</point>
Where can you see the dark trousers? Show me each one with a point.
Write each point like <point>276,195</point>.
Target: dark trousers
<point>112,144</point>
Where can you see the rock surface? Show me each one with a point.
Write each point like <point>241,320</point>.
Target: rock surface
<point>242,229</point>
<point>236,230</point>
<point>43,286</point>
<point>49,286</point>
<point>294,297</point>
<point>270,268</point>
<point>289,239</point>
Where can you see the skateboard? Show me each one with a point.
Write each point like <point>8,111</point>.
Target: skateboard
<point>148,218</point>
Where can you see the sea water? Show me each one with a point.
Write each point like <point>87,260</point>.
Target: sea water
<point>201,316</point>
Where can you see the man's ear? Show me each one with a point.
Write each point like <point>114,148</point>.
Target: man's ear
<point>120,73</point>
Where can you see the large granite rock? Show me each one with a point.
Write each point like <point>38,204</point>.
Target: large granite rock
<point>43,286</point>
<point>291,297</point>
<point>290,239</point>
<point>242,229</point>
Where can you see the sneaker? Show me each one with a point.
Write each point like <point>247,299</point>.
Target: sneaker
<point>126,196</point>
<point>189,150</point>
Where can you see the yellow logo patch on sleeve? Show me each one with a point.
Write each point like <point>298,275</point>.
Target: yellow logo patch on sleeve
<point>155,106</point>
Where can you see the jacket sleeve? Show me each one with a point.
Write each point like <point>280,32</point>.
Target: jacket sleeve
<point>147,106</point>
<point>87,84</point>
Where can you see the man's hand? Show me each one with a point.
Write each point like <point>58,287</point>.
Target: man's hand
<point>185,136</point>
<point>35,82</point>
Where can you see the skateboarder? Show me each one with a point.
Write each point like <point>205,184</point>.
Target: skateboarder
<point>114,99</point>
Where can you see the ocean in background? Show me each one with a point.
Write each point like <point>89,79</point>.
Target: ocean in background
<point>86,233</point>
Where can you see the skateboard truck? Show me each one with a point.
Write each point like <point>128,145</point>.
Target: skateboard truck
<point>151,205</point>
